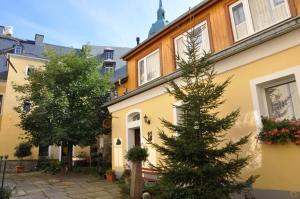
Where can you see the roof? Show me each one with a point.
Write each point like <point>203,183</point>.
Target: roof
<point>169,26</point>
<point>254,40</point>
<point>31,49</point>
<point>118,52</point>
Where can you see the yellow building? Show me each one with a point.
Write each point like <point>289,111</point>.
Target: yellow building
<point>255,41</point>
<point>26,56</point>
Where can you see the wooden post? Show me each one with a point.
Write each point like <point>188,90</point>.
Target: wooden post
<point>136,187</point>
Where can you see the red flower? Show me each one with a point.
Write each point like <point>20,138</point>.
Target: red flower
<point>275,130</point>
<point>297,142</point>
<point>284,130</point>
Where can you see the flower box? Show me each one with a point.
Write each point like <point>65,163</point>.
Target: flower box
<point>279,132</point>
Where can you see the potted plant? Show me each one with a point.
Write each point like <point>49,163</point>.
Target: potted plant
<point>110,176</point>
<point>136,155</point>
<point>22,150</point>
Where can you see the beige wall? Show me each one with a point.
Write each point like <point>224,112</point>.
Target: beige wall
<point>277,164</point>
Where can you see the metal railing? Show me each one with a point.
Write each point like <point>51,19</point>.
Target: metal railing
<point>3,159</point>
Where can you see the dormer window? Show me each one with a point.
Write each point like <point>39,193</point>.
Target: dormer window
<point>109,67</point>
<point>109,54</point>
<point>18,50</point>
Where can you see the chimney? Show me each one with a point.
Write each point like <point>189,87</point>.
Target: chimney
<point>137,41</point>
<point>8,31</point>
<point>1,30</point>
<point>39,39</point>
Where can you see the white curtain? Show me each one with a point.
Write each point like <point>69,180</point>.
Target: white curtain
<point>283,101</point>
<point>153,66</point>
<point>142,72</point>
<point>180,47</point>
<point>267,12</point>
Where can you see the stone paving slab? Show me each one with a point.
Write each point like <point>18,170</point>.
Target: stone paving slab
<point>38,185</point>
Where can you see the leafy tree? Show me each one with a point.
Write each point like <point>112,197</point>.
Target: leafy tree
<point>66,97</point>
<point>197,159</point>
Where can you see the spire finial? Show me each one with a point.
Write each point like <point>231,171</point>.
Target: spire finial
<point>161,11</point>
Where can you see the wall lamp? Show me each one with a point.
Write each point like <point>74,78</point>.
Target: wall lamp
<point>146,119</point>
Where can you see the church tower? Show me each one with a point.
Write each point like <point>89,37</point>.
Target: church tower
<point>160,22</point>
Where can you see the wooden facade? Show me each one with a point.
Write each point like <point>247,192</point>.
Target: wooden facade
<point>215,12</point>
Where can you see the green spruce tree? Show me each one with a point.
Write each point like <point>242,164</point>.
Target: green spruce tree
<point>197,159</point>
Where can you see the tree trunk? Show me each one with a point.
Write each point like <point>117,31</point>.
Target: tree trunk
<point>70,157</point>
<point>136,187</point>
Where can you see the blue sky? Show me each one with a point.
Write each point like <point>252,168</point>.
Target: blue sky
<point>77,22</point>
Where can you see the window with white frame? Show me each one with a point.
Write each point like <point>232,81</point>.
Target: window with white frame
<point>279,98</point>
<point>283,100</point>
<point>201,31</point>
<point>109,67</point>
<point>149,67</point>
<point>250,16</point>
<point>18,50</point>
<point>1,102</point>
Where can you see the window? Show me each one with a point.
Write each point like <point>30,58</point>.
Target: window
<point>277,2</point>
<point>109,68</point>
<point>109,54</point>
<point>179,115</point>
<point>201,31</point>
<point>149,67</point>
<point>283,101</point>
<point>26,106</point>
<point>43,151</point>
<point>250,16</point>
<point>18,50</point>
<point>133,117</point>
<point>1,101</point>
<point>29,70</point>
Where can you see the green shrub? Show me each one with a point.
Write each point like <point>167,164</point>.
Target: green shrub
<point>23,150</point>
<point>6,192</point>
<point>125,188</point>
<point>86,170</point>
<point>54,166</point>
<point>137,154</point>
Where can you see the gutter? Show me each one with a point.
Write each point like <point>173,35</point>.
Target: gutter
<point>249,42</point>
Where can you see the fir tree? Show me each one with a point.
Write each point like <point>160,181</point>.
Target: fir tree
<point>197,159</point>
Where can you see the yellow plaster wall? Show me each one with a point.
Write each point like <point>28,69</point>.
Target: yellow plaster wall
<point>278,165</point>
<point>10,134</point>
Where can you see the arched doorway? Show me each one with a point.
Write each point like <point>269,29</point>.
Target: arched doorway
<point>134,134</point>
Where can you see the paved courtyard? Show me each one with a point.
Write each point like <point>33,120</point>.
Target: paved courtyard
<point>39,185</point>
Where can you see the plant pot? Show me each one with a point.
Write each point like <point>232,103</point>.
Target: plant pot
<point>20,169</point>
<point>110,178</point>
